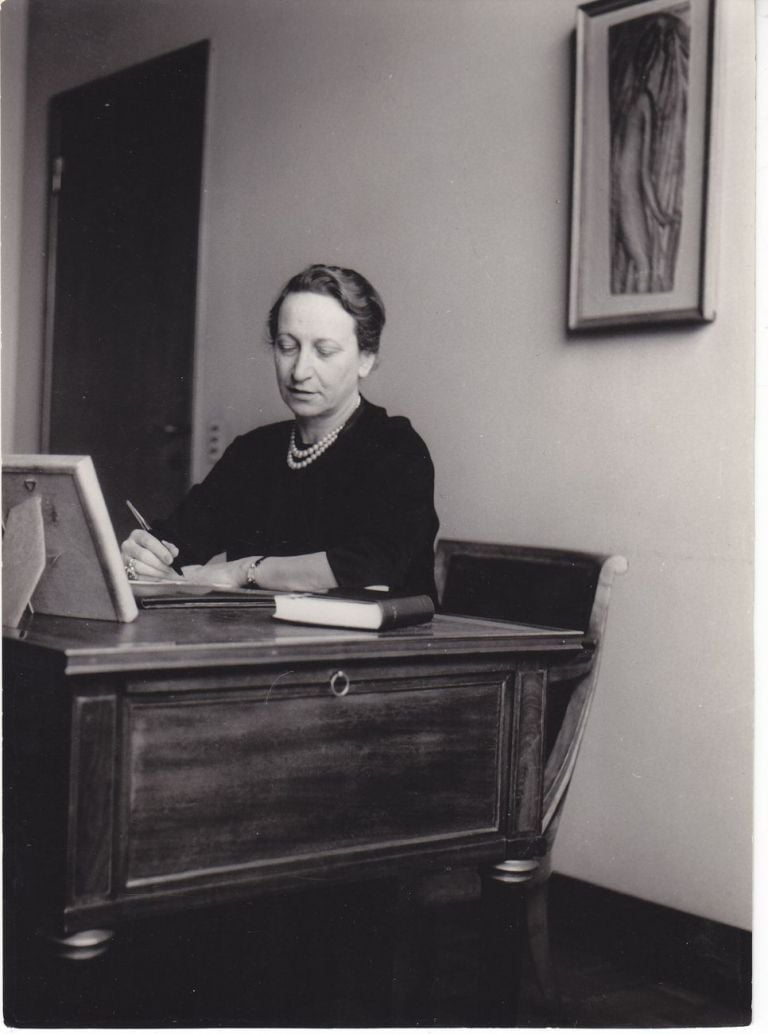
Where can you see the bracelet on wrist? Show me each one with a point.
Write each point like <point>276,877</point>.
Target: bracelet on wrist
<point>250,572</point>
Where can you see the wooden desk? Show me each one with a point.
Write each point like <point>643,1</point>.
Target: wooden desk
<point>201,756</point>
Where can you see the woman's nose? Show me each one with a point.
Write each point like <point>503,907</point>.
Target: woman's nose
<point>302,366</point>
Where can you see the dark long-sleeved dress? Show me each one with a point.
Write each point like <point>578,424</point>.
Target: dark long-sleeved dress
<point>367,502</point>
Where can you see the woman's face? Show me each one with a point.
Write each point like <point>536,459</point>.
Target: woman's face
<point>317,359</point>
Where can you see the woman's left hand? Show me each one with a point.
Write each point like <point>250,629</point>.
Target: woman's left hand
<point>230,574</point>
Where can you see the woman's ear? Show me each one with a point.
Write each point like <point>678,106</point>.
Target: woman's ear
<point>366,363</point>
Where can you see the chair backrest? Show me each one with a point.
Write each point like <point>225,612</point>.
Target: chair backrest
<point>538,586</point>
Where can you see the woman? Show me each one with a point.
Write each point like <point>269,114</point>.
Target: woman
<point>340,496</point>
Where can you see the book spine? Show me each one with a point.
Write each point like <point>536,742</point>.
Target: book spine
<point>410,610</point>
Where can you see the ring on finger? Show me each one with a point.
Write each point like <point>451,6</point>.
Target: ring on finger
<point>130,569</point>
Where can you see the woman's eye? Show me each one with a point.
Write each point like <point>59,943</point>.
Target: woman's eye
<point>285,346</point>
<point>326,349</point>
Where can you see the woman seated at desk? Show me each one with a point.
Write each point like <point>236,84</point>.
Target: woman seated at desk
<point>340,496</point>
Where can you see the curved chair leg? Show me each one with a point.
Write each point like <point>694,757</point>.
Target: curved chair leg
<point>537,920</point>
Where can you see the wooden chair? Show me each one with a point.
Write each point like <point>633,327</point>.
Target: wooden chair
<point>555,587</point>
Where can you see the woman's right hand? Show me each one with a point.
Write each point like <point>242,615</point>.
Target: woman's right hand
<point>148,557</point>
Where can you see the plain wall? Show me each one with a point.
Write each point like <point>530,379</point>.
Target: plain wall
<point>427,143</point>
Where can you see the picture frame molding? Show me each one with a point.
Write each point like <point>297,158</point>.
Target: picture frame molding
<point>702,307</point>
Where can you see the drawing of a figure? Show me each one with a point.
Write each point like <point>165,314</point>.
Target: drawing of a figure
<point>648,82</point>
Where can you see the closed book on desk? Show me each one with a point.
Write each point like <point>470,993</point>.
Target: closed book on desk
<point>354,608</point>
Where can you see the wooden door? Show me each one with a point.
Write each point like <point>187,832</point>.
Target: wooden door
<point>126,161</point>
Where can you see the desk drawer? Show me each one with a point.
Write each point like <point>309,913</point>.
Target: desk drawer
<point>221,782</point>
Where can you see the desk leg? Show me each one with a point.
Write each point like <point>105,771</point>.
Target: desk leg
<point>505,889</point>
<point>413,952</point>
<point>57,980</point>
<point>78,947</point>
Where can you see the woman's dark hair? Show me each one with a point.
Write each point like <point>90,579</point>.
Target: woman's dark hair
<point>351,290</point>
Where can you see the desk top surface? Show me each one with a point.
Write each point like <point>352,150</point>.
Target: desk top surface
<point>166,639</point>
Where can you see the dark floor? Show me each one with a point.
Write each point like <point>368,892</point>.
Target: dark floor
<point>325,960</point>
<point>624,963</point>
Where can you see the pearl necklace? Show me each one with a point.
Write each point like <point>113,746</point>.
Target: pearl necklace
<point>299,458</point>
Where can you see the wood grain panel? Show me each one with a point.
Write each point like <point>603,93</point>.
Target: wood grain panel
<point>528,755</point>
<point>91,810</point>
<point>222,782</point>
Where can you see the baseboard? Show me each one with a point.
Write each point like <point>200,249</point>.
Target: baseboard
<point>669,945</point>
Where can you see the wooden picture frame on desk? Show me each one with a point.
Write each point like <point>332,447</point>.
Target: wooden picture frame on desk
<point>83,575</point>
<point>644,175</point>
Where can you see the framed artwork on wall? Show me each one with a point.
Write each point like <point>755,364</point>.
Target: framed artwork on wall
<point>644,174</point>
